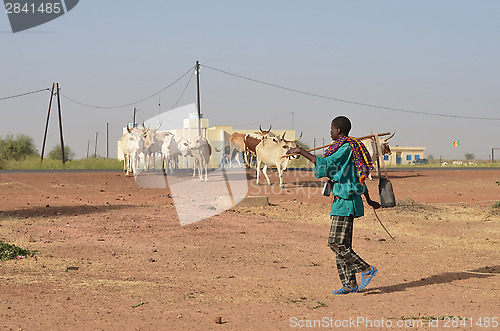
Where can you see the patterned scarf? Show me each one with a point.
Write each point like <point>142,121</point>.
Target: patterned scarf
<point>362,159</point>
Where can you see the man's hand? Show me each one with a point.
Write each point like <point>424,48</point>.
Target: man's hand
<point>374,204</point>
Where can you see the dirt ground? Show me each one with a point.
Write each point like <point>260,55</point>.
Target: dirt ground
<point>112,255</point>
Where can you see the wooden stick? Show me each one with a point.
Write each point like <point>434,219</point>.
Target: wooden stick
<point>360,138</point>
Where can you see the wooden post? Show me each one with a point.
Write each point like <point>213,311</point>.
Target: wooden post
<point>60,123</point>
<point>107,140</point>
<point>88,146</point>
<point>95,147</point>
<point>198,96</point>
<point>47,122</point>
<point>493,154</point>
<point>380,158</point>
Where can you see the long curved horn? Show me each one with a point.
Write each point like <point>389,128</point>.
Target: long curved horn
<point>298,137</point>
<point>260,128</point>
<point>159,126</point>
<point>128,129</point>
<point>390,136</point>
<point>269,128</point>
<point>283,137</point>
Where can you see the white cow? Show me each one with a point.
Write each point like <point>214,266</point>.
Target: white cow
<point>371,147</point>
<point>201,151</point>
<point>271,152</point>
<point>156,141</point>
<point>169,152</point>
<point>132,143</point>
<point>171,148</point>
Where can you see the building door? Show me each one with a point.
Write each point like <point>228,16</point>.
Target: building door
<point>398,158</point>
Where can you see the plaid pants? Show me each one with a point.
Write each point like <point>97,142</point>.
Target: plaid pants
<point>340,241</point>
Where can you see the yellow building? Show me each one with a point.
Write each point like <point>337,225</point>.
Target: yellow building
<point>404,155</point>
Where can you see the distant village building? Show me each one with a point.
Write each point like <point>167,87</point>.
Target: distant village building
<point>404,155</point>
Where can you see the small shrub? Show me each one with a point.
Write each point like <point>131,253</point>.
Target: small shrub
<point>10,252</point>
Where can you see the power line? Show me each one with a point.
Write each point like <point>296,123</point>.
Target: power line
<point>185,87</point>
<point>23,94</point>
<point>131,103</point>
<point>349,101</point>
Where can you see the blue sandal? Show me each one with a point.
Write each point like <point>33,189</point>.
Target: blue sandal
<point>367,280</point>
<point>346,289</point>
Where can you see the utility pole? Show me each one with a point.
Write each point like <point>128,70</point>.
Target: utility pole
<point>493,154</point>
<point>314,145</point>
<point>198,96</point>
<point>88,146</point>
<point>60,123</point>
<point>107,140</point>
<point>95,148</point>
<point>133,123</point>
<point>47,123</point>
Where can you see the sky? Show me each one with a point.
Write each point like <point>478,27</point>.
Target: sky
<point>439,57</point>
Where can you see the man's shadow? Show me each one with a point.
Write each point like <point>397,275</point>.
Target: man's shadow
<point>445,277</point>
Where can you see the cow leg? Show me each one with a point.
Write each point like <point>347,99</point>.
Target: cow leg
<point>258,170</point>
<point>264,171</point>
<point>172,165</point>
<point>206,172</point>
<point>200,170</point>
<point>127,164</point>
<point>238,158</point>
<point>133,165</point>
<point>280,174</point>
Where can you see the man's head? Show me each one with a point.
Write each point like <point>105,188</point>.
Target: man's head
<point>340,127</point>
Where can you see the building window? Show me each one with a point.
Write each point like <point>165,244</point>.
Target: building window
<point>408,157</point>
<point>386,157</point>
<point>417,157</point>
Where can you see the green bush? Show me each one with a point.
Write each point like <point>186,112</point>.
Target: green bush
<point>10,252</point>
<point>56,153</point>
<point>17,148</point>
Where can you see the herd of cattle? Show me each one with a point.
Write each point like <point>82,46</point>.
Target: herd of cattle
<point>260,147</point>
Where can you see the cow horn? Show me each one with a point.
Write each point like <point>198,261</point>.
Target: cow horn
<point>159,126</point>
<point>390,136</point>
<point>128,129</point>
<point>260,128</point>
<point>283,136</point>
<point>298,137</point>
<point>269,128</point>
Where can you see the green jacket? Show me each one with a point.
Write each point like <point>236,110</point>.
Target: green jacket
<point>340,168</point>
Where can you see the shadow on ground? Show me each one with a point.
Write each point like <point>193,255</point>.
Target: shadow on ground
<point>443,278</point>
<point>59,211</point>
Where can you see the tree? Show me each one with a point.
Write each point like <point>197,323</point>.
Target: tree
<point>17,148</point>
<point>430,157</point>
<point>469,156</point>
<point>56,153</point>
